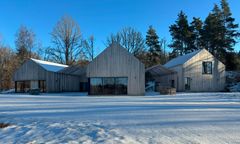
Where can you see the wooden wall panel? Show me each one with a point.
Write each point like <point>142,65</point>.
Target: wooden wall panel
<point>205,82</point>
<point>29,71</point>
<point>116,61</point>
<point>58,82</point>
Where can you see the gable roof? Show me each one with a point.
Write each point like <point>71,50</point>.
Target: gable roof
<point>74,70</point>
<point>181,59</point>
<point>115,45</point>
<point>49,66</point>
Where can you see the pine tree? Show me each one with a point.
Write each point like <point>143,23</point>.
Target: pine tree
<point>155,51</point>
<point>212,34</point>
<point>196,26</point>
<point>219,32</point>
<point>231,34</point>
<point>231,28</point>
<point>182,36</point>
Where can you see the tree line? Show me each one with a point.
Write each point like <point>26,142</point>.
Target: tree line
<point>70,48</point>
<point>218,33</point>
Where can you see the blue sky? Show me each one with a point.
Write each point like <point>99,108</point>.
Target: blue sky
<point>100,17</point>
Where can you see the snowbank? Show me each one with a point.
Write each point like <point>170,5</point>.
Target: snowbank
<point>233,81</point>
<point>8,91</point>
<point>205,118</point>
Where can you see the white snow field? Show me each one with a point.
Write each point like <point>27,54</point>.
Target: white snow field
<point>193,118</point>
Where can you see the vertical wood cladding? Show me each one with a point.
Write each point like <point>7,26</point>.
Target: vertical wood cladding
<point>115,61</point>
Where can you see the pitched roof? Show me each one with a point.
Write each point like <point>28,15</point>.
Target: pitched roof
<point>114,45</point>
<point>49,66</point>
<point>74,70</point>
<point>159,70</point>
<point>181,59</point>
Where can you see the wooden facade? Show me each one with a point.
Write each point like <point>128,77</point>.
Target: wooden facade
<point>116,61</point>
<point>32,72</point>
<point>190,72</point>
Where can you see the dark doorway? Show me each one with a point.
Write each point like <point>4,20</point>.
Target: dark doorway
<point>187,81</point>
<point>172,83</point>
<point>42,86</point>
<point>83,87</point>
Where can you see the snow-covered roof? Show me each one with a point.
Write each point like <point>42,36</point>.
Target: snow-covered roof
<point>181,59</point>
<point>50,66</point>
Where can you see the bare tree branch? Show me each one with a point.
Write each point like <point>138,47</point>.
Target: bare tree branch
<point>67,41</point>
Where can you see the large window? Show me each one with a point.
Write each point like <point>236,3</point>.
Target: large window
<point>96,86</point>
<point>22,86</point>
<point>207,67</point>
<point>121,86</point>
<point>108,86</point>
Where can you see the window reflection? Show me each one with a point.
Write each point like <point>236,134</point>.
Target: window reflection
<point>95,86</point>
<point>108,86</point>
<point>121,85</point>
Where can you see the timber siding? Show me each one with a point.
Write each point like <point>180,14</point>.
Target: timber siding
<point>58,82</point>
<point>115,61</point>
<point>205,82</point>
<point>200,82</point>
<point>30,71</point>
<point>55,81</point>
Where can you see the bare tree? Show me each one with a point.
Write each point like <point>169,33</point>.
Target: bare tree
<point>89,47</point>
<point>25,42</point>
<point>8,64</point>
<point>67,42</point>
<point>130,39</point>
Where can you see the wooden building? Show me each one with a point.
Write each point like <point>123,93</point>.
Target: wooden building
<point>198,71</point>
<point>43,75</point>
<point>116,72</point>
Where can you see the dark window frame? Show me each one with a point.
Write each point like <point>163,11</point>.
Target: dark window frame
<point>205,69</point>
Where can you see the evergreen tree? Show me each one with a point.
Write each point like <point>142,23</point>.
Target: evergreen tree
<point>155,51</point>
<point>212,34</point>
<point>231,32</point>
<point>182,36</point>
<point>196,26</point>
<point>219,34</point>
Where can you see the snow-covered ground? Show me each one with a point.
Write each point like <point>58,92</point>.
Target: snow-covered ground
<point>212,118</point>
